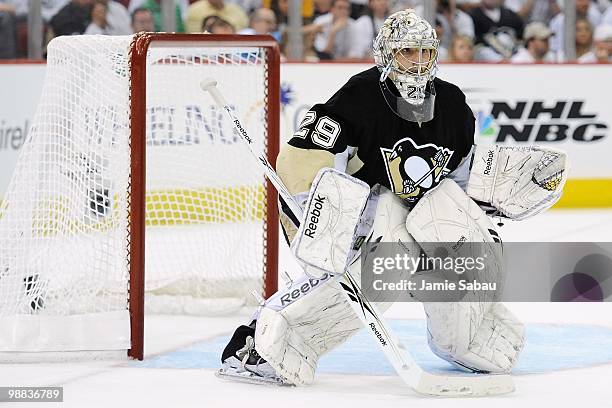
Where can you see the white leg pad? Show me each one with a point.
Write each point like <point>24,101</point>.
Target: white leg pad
<point>292,339</point>
<point>292,335</point>
<point>477,336</point>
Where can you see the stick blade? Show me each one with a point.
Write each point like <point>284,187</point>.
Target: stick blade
<point>476,385</point>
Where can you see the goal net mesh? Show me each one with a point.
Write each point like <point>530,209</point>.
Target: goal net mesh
<point>64,222</point>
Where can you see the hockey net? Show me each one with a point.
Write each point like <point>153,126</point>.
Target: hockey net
<point>78,227</point>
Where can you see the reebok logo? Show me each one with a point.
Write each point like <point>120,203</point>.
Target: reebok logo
<point>304,288</point>
<point>378,334</point>
<point>489,162</point>
<point>242,131</point>
<point>313,216</point>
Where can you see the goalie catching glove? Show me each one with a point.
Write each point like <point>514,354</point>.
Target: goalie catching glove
<point>519,182</point>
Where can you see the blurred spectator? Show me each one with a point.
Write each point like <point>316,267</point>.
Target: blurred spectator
<point>534,10</point>
<point>198,11</point>
<point>18,8</point>
<point>118,18</point>
<point>322,7</point>
<point>467,5</point>
<point>220,26</point>
<point>98,25</point>
<point>602,39</point>
<point>499,46</point>
<point>537,47</point>
<point>336,33</point>
<point>182,5</point>
<point>603,5</point>
<point>607,16</point>
<point>461,49</point>
<point>73,18</point>
<point>397,5</point>
<point>8,31</point>
<point>109,17</point>
<point>491,15</point>
<point>368,25</point>
<point>248,6</point>
<point>584,39</point>
<point>440,32</point>
<point>280,8</point>
<point>602,45</point>
<point>584,9</point>
<point>460,22</point>
<point>262,21</point>
<point>155,7</point>
<point>49,8</point>
<point>453,21</point>
<point>142,20</point>
<point>208,22</point>
<point>358,7</point>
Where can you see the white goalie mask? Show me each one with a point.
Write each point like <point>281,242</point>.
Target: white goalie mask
<point>406,52</point>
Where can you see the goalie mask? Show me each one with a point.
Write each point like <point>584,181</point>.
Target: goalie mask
<point>406,52</point>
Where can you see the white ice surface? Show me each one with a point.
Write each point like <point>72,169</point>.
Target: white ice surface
<point>119,383</point>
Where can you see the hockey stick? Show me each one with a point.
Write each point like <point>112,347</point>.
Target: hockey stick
<point>410,372</point>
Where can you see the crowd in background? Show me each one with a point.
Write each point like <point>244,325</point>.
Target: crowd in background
<point>521,31</point>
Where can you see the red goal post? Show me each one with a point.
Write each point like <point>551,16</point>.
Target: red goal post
<point>138,75</point>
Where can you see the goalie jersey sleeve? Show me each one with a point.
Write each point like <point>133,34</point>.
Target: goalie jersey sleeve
<point>333,126</point>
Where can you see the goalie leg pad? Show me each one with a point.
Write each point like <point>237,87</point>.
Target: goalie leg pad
<point>447,214</point>
<point>446,218</point>
<point>292,337</point>
<point>475,336</point>
<point>477,333</point>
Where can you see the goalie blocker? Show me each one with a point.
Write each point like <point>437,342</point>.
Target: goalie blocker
<point>330,232</point>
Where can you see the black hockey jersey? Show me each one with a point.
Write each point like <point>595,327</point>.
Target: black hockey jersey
<point>406,158</point>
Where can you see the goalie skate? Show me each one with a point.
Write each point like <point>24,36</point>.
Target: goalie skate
<point>241,362</point>
<point>239,374</point>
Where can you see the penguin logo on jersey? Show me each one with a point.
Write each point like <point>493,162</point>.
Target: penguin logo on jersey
<point>413,169</point>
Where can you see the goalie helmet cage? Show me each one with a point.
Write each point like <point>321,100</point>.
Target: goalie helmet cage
<point>160,72</point>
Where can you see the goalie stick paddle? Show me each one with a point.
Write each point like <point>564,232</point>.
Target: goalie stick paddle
<point>411,373</point>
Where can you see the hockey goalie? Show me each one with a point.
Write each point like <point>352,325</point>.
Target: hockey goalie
<point>408,137</point>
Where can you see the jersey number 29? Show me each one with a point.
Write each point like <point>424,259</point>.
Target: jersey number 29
<point>325,133</point>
